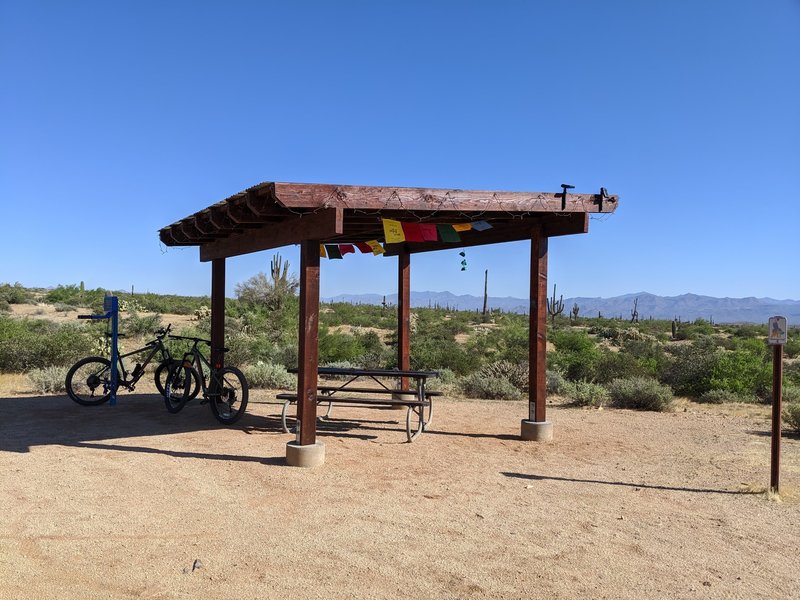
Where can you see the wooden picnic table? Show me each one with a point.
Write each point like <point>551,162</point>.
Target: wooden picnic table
<point>417,399</point>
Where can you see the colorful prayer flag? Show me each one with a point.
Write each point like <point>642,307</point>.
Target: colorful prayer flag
<point>333,250</point>
<point>481,226</point>
<point>376,247</point>
<point>448,234</point>
<point>364,247</point>
<point>412,232</point>
<point>346,249</point>
<point>428,232</point>
<point>462,226</point>
<point>393,231</point>
<point>322,253</point>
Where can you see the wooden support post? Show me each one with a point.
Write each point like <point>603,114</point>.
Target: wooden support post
<point>404,314</point>
<point>308,343</point>
<point>217,312</point>
<point>537,351</point>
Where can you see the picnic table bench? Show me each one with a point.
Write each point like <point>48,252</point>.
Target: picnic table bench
<point>417,400</point>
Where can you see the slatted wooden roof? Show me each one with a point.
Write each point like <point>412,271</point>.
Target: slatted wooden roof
<point>272,215</point>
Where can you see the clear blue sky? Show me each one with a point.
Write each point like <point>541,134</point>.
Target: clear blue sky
<point>118,118</point>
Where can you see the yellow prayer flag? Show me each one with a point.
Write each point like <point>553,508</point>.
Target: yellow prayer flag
<point>322,253</point>
<point>393,231</point>
<point>376,247</point>
<point>462,226</point>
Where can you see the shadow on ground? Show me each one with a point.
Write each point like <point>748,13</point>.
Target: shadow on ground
<point>56,420</point>
<point>647,486</point>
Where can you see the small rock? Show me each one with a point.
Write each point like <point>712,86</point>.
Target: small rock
<point>197,564</point>
<point>707,583</point>
<point>529,486</point>
<point>479,515</point>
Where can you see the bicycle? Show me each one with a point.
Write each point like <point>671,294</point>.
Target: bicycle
<point>225,389</point>
<point>88,381</point>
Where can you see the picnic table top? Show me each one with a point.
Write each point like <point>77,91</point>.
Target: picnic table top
<point>372,372</point>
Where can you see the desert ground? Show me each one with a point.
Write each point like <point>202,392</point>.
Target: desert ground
<point>132,502</point>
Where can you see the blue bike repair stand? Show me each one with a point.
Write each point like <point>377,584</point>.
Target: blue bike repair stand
<point>111,308</point>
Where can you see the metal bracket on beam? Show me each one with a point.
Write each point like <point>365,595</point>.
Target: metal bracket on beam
<point>565,187</point>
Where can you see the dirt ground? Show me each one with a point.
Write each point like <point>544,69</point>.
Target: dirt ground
<point>133,502</point>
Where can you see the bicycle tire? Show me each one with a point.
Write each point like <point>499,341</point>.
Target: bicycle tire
<point>82,383</point>
<point>176,389</point>
<point>162,372</point>
<point>229,404</point>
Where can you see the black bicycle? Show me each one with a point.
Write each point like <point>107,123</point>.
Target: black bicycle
<point>88,382</point>
<point>225,389</point>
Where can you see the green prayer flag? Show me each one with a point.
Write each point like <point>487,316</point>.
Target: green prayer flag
<point>333,250</point>
<point>448,234</point>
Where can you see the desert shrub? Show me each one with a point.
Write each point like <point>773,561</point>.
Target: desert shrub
<point>792,346</point>
<point>584,393</point>
<point>576,355</point>
<point>4,306</point>
<point>431,354</point>
<point>445,379</point>
<point>791,394</point>
<point>27,344</point>
<point>791,416</point>
<point>48,380</point>
<point>616,365</point>
<point>640,393</point>
<point>478,385</point>
<point>688,369</point>
<point>556,383</point>
<point>136,324</point>
<point>15,294</point>
<point>742,372</point>
<point>722,396</point>
<point>515,373</point>
<point>269,376</point>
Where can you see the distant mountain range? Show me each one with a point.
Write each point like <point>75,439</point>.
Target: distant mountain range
<point>687,307</point>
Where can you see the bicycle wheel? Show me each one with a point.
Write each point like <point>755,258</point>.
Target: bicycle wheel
<point>88,382</point>
<point>228,397</point>
<point>162,372</point>
<point>178,387</point>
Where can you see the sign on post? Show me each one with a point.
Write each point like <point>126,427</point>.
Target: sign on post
<point>777,331</point>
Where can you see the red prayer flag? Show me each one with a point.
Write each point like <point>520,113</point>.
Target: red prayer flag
<point>412,232</point>
<point>365,248</point>
<point>428,232</point>
<point>346,249</point>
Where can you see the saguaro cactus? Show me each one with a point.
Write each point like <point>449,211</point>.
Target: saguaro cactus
<point>575,310</point>
<point>635,311</point>
<point>555,307</point>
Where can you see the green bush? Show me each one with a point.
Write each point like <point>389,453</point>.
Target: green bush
<point>556,384</point>
<point>722,396</point>
<point>640,393</point>
<point>136,325</point>
<point>742,372</point>
<point>478,385</point>
<point>269,376</point>
<point>49,380</point>
<point>791,394</point>
<point>576,355</point>
<point>616,365</point>
<point>515,373</point>
<point>4,306</point>
<point>584,393</point>
<point>15,294</point>
<point>688,368</point>
<point>791,416</point>
<point>27,344</point>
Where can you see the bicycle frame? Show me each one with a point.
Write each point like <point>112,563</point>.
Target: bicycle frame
<point>158,346</point>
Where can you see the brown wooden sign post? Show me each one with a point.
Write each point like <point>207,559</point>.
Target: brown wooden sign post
<point>776,338</point>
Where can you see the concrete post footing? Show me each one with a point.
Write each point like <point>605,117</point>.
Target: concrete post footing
<point>537,431</point>
<point>403,398</point>
<point>311,455</point>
